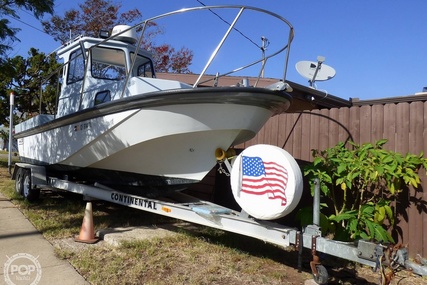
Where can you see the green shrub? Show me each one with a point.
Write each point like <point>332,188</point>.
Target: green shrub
<point>359,186</point>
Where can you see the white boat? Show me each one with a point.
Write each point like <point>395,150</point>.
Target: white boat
<point>116,123</point>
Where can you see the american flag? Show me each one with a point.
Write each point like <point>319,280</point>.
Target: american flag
<point>264,178</point>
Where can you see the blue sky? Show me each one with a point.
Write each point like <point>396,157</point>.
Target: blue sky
<point>378,48</point>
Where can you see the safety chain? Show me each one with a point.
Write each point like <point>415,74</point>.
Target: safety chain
<point>395,258</point>
<point>221,169</point>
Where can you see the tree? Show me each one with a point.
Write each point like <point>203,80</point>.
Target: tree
<point>167,60</point>
<point>8,9</point>
<point>25,77</point>
<point>95,15</point>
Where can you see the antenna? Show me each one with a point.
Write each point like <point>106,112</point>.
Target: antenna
<point>315,71</point>
<point>265,44</point>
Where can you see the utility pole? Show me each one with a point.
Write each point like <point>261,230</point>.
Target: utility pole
<point>12,102</point>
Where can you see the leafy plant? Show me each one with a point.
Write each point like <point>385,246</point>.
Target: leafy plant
<point>360,184</point>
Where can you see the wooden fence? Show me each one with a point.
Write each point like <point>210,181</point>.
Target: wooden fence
<point>403,125</point>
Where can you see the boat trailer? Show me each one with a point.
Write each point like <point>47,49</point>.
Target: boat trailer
<point>178,205</point>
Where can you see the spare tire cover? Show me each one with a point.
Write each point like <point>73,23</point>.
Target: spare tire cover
<point>266,182</point>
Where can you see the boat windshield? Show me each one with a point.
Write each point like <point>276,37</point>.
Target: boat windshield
<point>108,63</point>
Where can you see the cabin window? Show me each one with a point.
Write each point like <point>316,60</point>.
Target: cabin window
<point>76,67</point>
<point>146,70</point>
<point>108,63</point>
<point>144,66</point>
<point>102,97</point>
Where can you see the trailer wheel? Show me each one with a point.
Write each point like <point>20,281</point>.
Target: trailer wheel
<point>28,192</point>
<point>322,275</point>
<point>19,181</point>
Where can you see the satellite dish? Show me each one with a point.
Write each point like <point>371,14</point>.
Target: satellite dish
<point>315,71</point>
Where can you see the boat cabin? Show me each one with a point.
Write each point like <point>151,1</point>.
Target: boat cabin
<point>100,70</point>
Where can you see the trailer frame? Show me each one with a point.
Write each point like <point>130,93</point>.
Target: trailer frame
<point>194,210</point>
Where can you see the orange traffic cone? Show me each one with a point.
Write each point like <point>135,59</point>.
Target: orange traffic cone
<point>87,233</point>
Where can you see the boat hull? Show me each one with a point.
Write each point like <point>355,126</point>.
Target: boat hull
<point>170,140</point>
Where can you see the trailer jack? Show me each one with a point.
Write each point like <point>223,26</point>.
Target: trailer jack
<point>320,274</point>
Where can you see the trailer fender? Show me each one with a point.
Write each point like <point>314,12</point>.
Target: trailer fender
<point>38,174</point>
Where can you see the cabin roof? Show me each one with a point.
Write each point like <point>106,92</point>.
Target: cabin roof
<point>90,41</point>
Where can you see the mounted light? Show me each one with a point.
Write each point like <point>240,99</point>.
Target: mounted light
<point>104,34</point>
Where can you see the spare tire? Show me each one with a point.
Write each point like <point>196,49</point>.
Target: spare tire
<point>266,182</point>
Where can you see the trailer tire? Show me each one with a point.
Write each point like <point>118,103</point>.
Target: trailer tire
<point>28,192</point>
<point>322,275</point>
<point>19,181</point>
